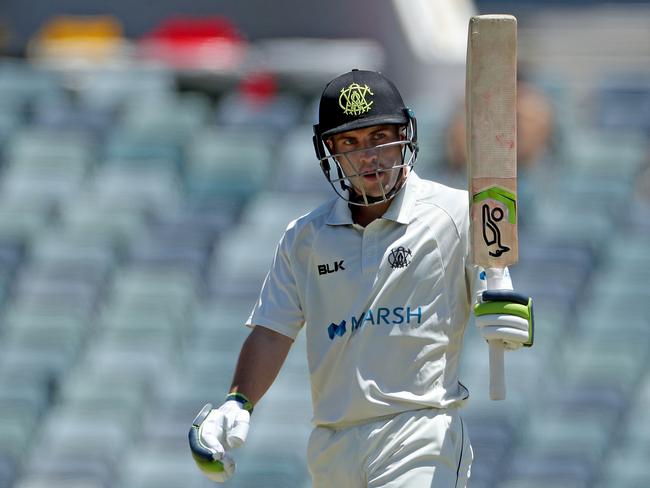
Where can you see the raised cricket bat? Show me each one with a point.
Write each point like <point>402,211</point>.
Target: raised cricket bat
<point>491,125</point>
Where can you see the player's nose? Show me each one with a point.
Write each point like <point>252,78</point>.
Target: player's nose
<point>368,157</point>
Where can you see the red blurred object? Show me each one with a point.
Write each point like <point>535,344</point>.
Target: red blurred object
<point>212,43</point>
<point>258,88</point>
<point>191,30</point>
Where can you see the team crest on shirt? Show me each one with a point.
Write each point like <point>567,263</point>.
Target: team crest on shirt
<point>399,257</point>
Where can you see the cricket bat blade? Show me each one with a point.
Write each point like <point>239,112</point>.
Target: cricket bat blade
<point>491,125</point>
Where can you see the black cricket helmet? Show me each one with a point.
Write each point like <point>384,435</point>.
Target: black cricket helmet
<point>356,100</point>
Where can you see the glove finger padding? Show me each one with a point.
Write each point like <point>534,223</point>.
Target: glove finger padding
<point>237,429</point>
<point>211,431</point>
<point>511,338</point>
<point>506,321</point>
<point>506,316</point>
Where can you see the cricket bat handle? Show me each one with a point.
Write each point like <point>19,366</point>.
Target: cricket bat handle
<point>497,371</point>
<point>495,281</point>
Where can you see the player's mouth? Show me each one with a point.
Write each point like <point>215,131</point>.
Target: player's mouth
<point>371,177</point>
<point>375,184</point>
<point>373,174</point>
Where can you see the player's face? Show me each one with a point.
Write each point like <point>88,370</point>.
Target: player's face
<point>368,158</point>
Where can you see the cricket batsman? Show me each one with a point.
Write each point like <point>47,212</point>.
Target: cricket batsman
<point>379,277</point>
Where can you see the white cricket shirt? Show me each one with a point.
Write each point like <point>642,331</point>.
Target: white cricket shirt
<point>385,306</point>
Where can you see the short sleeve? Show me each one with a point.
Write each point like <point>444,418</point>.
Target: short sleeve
<point>278,307</point>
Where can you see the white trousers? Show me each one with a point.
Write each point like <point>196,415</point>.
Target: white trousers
<point>417,449</point>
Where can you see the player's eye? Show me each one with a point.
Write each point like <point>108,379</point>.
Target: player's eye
<point>348,142</point>
<point>383,137</point>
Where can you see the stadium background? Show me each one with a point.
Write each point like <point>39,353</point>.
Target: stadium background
<point>148,167</point>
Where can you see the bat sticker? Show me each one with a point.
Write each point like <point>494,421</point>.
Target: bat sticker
<point>494,217</point>
<point>491,232</point>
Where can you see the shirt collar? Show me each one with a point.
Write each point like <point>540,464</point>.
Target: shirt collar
<point>340,213</point>
<point>400,209</point>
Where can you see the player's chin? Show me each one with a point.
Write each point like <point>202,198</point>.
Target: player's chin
<point>377,192</point>
<point>371,185</point>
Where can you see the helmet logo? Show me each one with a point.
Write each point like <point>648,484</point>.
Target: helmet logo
<point>353,99</point>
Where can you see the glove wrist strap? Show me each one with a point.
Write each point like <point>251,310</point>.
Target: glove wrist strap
<point>241,398</point>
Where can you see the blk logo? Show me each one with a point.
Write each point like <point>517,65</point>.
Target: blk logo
<point>331,268</point>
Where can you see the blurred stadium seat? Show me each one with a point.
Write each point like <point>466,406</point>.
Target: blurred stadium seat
<point>61,111</point>
<point>21,84</point>
<point>110,88</point>
<point>296,171</point>
<point>279,113</point>
<point>623,103</point>
<point>134,149</point>
<point>227,164</point>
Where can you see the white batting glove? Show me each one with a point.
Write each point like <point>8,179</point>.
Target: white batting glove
<point>506,316</point>
<point>216,431</point>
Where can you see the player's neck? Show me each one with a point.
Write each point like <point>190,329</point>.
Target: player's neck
<point>363,216</point>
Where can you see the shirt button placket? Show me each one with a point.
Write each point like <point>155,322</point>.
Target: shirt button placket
<point>369,251</point>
